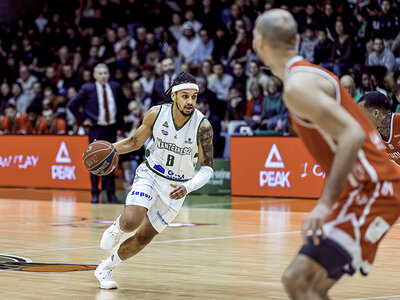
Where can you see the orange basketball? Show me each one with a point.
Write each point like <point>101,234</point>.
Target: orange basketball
<point>100,158</point>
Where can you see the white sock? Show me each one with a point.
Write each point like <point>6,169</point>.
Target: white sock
<point>113,261</point>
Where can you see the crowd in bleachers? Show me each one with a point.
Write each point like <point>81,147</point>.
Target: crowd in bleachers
<point>47,55</point>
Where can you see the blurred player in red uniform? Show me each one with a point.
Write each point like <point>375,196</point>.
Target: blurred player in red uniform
<point>14,122</point>
<point>377,108</point>
<point>360,200</point>
<point>49,124</point>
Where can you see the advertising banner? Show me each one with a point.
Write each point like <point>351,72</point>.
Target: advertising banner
<point>43,162</point>
<point>274,167</point>
<point>220,182</point>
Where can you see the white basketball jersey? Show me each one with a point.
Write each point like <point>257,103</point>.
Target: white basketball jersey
<point>173,152</point>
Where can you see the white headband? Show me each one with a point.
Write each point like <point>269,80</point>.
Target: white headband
<point>185,86</point>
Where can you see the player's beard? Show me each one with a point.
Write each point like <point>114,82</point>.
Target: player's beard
<point>183,112</point>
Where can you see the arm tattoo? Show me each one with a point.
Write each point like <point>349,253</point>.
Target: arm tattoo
<point>206,142</point>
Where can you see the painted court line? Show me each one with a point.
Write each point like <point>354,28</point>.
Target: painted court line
<point>383,297</point>
<point>170,241</point>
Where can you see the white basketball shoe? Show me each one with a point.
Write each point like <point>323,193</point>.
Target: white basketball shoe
<point>111,236</point>
<point>104,276</point>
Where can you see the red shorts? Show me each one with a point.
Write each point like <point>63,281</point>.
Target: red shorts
<point>360,218</point>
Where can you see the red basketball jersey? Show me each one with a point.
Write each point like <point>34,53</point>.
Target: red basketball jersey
<point>372,164</point>
<point>393,144</point>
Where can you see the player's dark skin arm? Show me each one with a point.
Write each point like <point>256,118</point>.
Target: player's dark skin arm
<point>206,155</point>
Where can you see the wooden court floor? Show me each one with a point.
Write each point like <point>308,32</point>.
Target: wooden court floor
<point>237,252</point>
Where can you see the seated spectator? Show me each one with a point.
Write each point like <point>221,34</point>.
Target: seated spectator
<point>342,50</point>
<point>203,105</point>
<point>188,43</point>
<point>308,43</point>
<point>68,79</point>
<point>349,84</point>
<point>396,98</point>
<point>147,79</point>
<point>206,71</point>
<point>205,93</point>
<point>255,75</point>
<point>14,122</point>
<point>190,17</point>
<point>254,106</point>
<point>26,80</point>
<point>38,95</point>
<point>239,77</point>
<point>140,95</point>
<point>124,40</point>
<point>240,50</point>
<point>273,106</point>
<point>5,94</point>
<point>20,100</point>
<point>382,56</point>
<point>220,86</point>
<point>205,48</point>
<point>236,105</point>
<point>389,22</point>
<point>176,27</point>
<point>323,50</point>
<point>367,85</point>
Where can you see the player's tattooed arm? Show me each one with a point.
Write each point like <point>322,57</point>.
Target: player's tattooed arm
<point>206,148</point>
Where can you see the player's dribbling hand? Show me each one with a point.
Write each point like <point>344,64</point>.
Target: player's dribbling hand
<point>178,192</point>
<point>314,221</point>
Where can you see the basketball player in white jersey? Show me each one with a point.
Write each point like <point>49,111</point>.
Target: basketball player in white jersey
<point>181,136</point>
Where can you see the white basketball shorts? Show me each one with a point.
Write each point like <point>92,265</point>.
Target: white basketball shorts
<point>152,192</point>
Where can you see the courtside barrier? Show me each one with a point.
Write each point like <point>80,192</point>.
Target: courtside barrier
<point>274,167</point>
<point>43,162</point>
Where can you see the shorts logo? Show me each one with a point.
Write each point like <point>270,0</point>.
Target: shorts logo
<point>141,194</point>
<point>17,263</point>
<point>161,218</point>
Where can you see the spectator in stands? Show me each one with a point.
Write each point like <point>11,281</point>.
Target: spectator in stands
<point>20,100</point>
<point>240,50</point>
<point>236,105</point>
<point>188,43</point>
<point>190,17</point>
<point>328,19</point>
<point>389,22</point>
<point>222,43</point>
<point>171,52</point>
<point>49,78</point>
<point>203,105</point>
<point>236,14</point>
<point>323,50</point>
<point>220,85</point>
<point>140,95</point>
<point>124,40</point>
<point>349,84</point>
<point>204,92</point>
<point>254,106</point>
<point>382,56</point>
<point>273,107</point>
<point>239,77</point>
<point>396,98</point>
<point>68,79</point>
<point>49,124</point>
<point>176,27</point>
<point>13,122</point>
<point>38,95</point>
<point>308,43</point>
<point>206,71</point>
<point>5,94</point>
<point>26,80</point>
<point>205,48</point>
<point>147,79</point>
<point>366,84</point>
<point>342,50</point>
<point>255,75</point>
<point>162,83</point>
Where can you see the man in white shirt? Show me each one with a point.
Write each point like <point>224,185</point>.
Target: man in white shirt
<point>188,43</point>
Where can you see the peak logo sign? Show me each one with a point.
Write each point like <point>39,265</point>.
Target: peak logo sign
<point>274,178</point>
<point>63,172</point>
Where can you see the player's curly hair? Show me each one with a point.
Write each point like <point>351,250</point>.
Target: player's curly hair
<point>182,77</point>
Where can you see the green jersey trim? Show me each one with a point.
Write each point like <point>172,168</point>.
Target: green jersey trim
<point>183,125</point>
<point>161,175</point>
